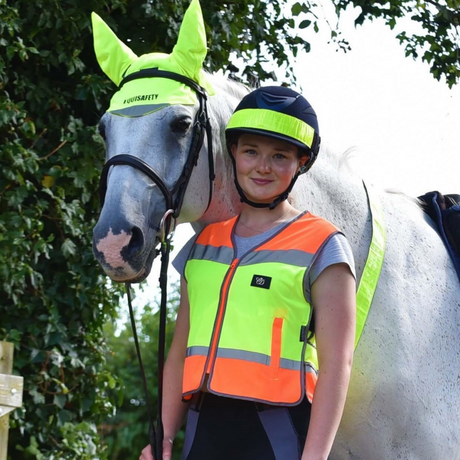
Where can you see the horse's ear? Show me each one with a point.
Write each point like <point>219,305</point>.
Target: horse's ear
<point>113,55</point>
<point>190,49</point>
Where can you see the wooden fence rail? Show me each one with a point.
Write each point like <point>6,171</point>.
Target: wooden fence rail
<point>10,393</point>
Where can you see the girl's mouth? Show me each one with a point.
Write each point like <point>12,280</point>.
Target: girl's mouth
<point>262,181</point>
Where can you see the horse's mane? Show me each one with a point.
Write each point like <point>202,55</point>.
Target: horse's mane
<point>344,162</point>
<point>413,200</point>
<point>221,106</point>
<point>233,88</point>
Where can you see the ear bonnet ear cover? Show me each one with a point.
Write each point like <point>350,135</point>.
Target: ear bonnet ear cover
<point>113,55</point>
<point>145,95</point>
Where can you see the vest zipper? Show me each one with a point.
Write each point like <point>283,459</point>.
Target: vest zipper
<point>224,295</point>
<point>220,316</point>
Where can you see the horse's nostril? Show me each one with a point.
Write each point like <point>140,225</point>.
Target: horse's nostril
<point>136,242</point>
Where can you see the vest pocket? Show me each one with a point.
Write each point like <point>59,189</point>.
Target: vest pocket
<point>275,354</point>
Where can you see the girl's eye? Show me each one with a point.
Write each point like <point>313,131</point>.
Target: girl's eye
<point>279,156</point>
<point>251,152</point>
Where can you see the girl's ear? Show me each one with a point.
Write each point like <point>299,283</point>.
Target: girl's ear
<point>302,161</point>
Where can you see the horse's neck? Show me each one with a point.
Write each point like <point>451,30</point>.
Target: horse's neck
<point>225,200</point>
<point>341,199</point>
<point>330,192</point>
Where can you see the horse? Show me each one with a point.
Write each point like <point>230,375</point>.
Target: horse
<point>403,400</point>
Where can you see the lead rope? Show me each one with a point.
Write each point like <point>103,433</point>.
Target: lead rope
<point>152,434</point>
<point>156,435</point>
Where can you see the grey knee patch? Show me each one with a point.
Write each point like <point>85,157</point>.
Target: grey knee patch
<point>190,431</point>
<point>280,431</point>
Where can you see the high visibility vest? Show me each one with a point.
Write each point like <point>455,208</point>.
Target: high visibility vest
<point>249,318</point>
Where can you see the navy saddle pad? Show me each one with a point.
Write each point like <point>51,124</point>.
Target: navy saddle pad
<point>445,211</point>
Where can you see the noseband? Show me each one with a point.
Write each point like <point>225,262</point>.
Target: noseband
<point>174,199</point>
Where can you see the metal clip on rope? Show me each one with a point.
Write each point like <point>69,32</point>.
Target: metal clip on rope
<point>165,227</point>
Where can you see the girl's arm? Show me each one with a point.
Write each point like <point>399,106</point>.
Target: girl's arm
<point>334,302</point>
<point>174,409</point>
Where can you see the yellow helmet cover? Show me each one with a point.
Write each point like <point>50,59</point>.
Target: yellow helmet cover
<point>145,95</point>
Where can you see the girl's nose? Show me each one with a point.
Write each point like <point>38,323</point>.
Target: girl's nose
<point>264,164</point>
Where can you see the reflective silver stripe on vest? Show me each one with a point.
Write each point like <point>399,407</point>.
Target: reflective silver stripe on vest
<point>224,255</point>
<point>221,254</point>
<point>288,257</point>
<point>197,351</point>
<point>242,355</point>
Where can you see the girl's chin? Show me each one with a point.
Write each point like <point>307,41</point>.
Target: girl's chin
<point>260,194</point>
<point>260,199</point>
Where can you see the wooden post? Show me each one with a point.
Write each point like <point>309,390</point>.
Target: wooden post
<point>10,393</point>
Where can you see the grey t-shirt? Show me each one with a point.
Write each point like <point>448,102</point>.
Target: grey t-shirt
<point>336,250</point>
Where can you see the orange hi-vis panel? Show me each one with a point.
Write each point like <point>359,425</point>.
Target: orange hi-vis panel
<point>249,318</point>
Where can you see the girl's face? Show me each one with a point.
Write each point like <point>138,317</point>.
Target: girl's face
<point>265,166</point>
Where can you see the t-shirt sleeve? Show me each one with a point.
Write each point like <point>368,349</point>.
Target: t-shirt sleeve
<point>182,256</point>
<point>337,250</point>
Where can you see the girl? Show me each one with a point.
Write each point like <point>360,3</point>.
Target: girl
<point>263,346</point>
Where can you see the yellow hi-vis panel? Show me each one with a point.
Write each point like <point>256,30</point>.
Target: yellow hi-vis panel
<point>374,262</point>
<point>269,120</point>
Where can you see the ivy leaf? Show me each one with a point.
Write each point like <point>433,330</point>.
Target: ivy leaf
<point>68,248</point>
<point>59,400</point>
<point>37,397</point>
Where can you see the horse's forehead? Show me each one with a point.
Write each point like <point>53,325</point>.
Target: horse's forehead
<point>158,117</point>
<point>121,130</point>
<point>152,139</point>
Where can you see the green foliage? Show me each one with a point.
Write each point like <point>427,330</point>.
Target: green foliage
<point>438,43</point>
<point>126,434</point>
<point>262,33</point>
<point>54,298</point>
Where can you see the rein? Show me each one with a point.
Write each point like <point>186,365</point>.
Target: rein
<point>174,199</point>
<point>155,435</point>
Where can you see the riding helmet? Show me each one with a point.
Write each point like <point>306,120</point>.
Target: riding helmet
<point>281,113</point>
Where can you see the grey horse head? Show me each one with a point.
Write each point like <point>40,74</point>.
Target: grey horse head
<point>153,119</point>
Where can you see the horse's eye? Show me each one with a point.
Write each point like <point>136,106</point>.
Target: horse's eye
<point>101,130</point>
<point>181,125</point>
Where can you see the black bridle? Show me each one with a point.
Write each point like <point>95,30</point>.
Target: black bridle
<point>173,203</point>
<point>201,125</point>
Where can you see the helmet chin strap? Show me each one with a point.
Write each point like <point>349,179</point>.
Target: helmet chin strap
<point>273,204</point>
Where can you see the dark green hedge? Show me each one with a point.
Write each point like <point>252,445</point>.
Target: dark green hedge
<point>54,298</point>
